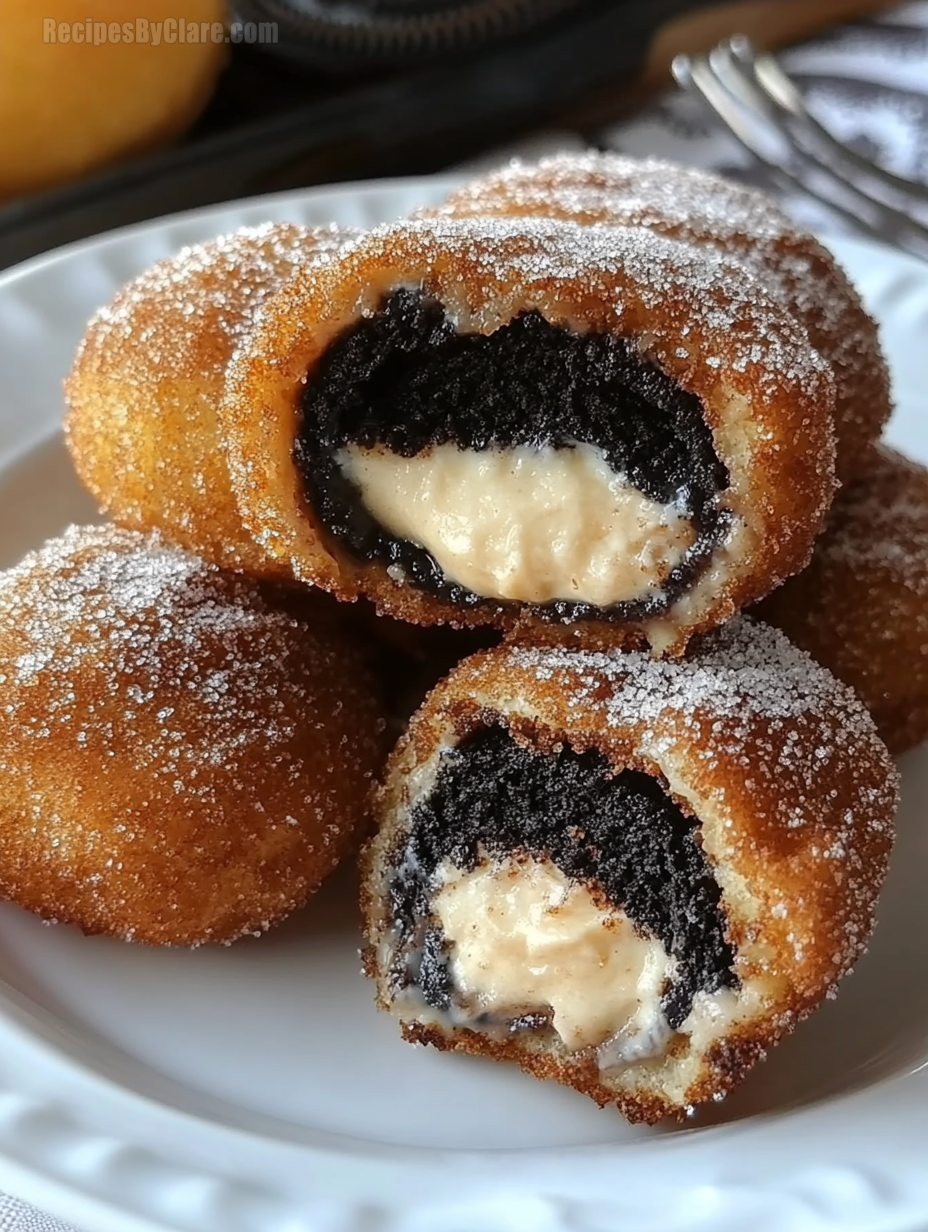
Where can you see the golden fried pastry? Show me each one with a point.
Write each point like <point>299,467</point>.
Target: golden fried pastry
<point>630,875</point>
<point>719,215</point>
<point>469,420</point>
<point>147,380</point>
<point>179,762</point>
<point>861,607</point>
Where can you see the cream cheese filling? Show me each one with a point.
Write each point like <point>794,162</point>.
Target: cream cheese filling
<point>524,938</point>
<point>533,525</point>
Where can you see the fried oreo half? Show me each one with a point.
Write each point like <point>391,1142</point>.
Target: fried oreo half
<point>482,421</point>
<point>629,875</point>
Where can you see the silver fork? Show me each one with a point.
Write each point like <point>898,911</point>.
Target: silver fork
<point>764,111</point>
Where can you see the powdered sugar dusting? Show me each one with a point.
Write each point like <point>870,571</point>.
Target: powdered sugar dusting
<point>861,607</point>
<point>654,193</point>
<point>881,523</point>
<point>140,610</point>
<point>744,694</point>
<point>196,306</point>
<point>180,760</point>
<point>745,670</point>
<point>730,218</point>
<point>667,279</point>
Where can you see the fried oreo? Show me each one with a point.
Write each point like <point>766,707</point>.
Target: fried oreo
<point>181,761</point>
<point>861,607</point>
<point>478,422</point>
<point>631,875</point>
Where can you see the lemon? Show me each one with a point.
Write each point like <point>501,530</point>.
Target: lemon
<point>81,87</point>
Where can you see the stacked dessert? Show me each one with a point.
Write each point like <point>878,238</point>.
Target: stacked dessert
<point>594,408</point>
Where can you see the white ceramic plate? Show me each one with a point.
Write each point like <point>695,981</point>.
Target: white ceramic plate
<point>255,1089</point>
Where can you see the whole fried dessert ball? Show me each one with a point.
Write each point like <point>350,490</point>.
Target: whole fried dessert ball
<point>473,421</point>
<point>861,607</point>
<point>730,219</point>
<point>179,762</point>
<point>633,876</point>
<point>147,380</point>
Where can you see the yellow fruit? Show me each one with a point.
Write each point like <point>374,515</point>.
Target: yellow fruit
<point>68,107</point>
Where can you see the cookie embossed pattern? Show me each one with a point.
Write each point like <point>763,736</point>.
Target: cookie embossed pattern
<point>256,1088</point>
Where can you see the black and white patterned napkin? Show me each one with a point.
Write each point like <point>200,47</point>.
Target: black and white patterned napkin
<point>866,82</point>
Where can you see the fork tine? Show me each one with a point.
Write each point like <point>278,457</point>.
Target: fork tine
<point>731,95</point>
<point>888,220</point>
<point>695,75</point>
<point>782,92</point>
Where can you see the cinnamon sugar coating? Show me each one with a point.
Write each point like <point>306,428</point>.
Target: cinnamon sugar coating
<point>146,382</point>
<point>181,761</point>
<point>861,607</point>
<point>730,218</point>
<point>708,324</point>
<point>790,790</point>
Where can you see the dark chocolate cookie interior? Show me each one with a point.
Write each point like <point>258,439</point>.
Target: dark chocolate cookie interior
<point>404,378</point>
<point>621,832</point>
